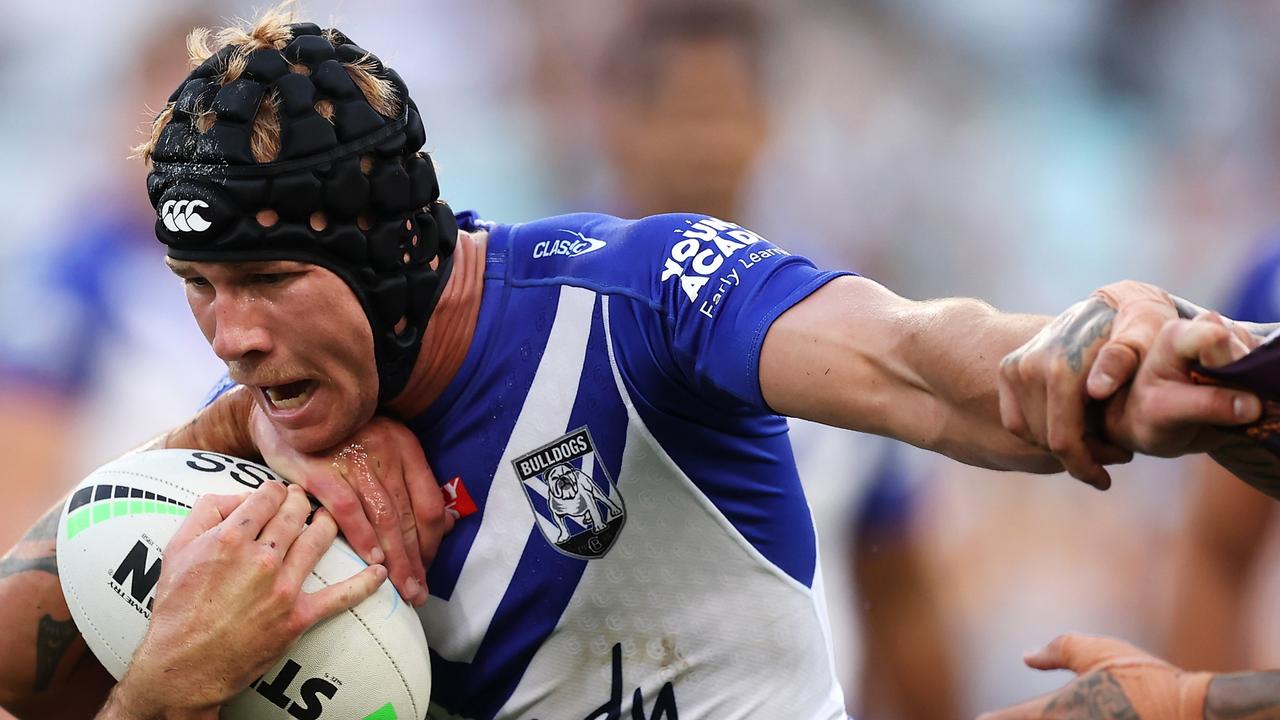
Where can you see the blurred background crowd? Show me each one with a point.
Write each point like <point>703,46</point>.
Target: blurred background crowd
<point>1023,153</point>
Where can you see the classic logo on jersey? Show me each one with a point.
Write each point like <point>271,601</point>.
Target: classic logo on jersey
<point>576,503</point>
<point>580,245</point>
<point>181,215</point>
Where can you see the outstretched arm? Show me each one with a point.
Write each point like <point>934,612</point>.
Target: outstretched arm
<point>958,377</point>
<point>855,355</point>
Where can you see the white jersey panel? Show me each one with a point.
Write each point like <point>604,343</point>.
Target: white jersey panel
<point>675,593</point>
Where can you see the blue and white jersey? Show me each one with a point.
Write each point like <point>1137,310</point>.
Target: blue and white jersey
<point>641,546</point>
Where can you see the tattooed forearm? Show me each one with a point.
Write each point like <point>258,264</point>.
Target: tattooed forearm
<point>37,549</point>
<point>46,528</point>
<point>13,566</point>
<point>52,642</point>
<point>1244,696</point>
<point>1096,696</point>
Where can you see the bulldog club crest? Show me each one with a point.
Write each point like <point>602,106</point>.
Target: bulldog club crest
<point>576,503</point>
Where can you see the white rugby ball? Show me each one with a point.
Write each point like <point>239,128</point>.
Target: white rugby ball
<point>368,663</point>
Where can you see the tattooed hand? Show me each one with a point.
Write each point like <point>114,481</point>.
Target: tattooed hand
<point>1086,353</point>
<point>1116,681</point>
<point>46,670</point>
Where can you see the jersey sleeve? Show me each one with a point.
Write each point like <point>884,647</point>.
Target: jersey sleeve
<point>721,288</point>
<point>224,384</point>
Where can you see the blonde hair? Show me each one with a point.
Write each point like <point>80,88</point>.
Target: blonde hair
<point>269,31</point>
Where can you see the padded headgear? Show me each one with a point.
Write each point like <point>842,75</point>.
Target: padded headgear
<point>207,187</point>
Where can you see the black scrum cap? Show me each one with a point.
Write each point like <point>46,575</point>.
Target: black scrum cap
<point>207,187</point>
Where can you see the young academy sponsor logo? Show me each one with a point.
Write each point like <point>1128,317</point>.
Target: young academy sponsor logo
<point>707,261</point>
<point>579,245</point>
<point>576,503</point>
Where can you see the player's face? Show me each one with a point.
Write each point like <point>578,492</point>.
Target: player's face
<point>296,335</point>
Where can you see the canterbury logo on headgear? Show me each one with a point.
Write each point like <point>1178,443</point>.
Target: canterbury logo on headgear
<point>181,215</point>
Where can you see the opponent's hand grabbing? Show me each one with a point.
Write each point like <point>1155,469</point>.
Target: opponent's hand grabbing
<point>380,490</point>
<point>1114,680</point>
<point>229,602</point>
<point>1163,412</point>
<point>1085,353</point>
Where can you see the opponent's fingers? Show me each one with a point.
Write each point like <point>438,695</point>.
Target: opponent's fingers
<point>379,509</point>
<point>1082,653</point>
<point>1065,428</point>
<point>283,529</point>
<point>1140,311</point>
<point>334,492</point>
<point>1022,398</point>
<point>1106,453</point>
<point>208,512</point>
<point>1117,363</point>
<point>1176,403</point>
<point>1224,350</point>
<point>1244,336</point>
<point>1217,348</point>
<point>311,545</point>
<point>395,480</point>
<point>428,503</point>
<point>1011,416</point>
<point>347,594</point>
<point>248,519</point>
<point>1183,342</point>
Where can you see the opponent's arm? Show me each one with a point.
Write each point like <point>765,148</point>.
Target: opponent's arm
<point>378,485</point>
<point>945,375</point>
<point>855,355</point>
<point>46,670</point>
<point>1116,681</point>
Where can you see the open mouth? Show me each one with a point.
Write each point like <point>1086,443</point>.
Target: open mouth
<point>289,396</point>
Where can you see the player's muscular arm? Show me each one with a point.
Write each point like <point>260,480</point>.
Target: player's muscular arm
<point>856,355</point>
<point>46,670</point>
